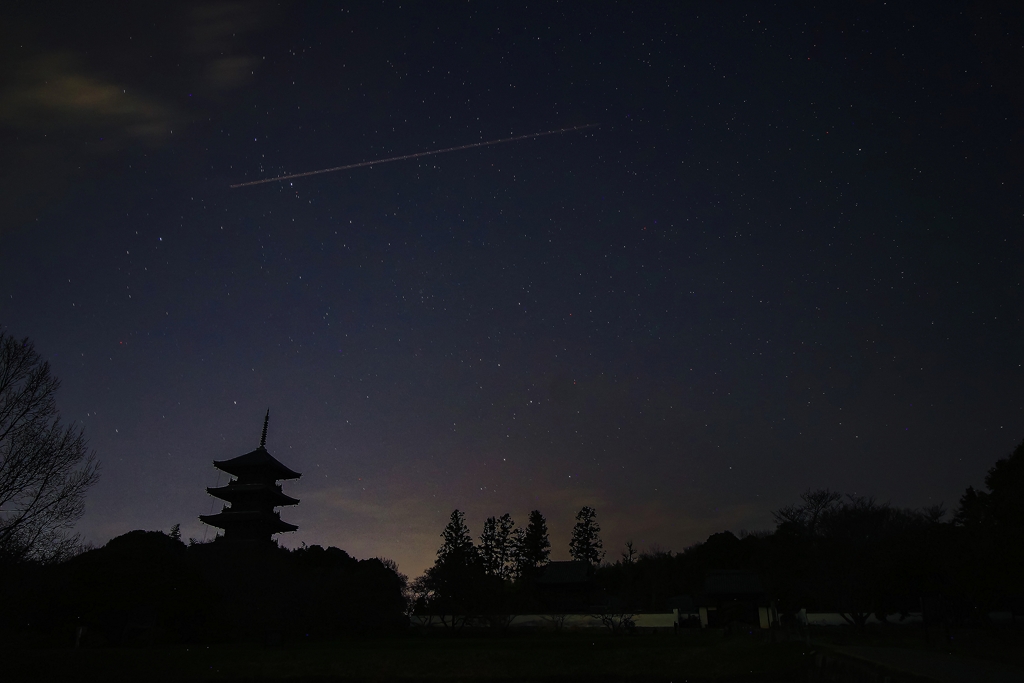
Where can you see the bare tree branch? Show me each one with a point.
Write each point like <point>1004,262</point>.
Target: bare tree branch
<point>45,467</point>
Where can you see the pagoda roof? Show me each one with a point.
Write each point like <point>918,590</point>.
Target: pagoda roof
<point>235,491</point>
<point>257,462</point>
<point>240,518</point>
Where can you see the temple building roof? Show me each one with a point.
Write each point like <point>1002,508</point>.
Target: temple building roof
<point>256,463</point>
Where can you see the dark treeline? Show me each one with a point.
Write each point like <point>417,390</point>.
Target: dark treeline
<point>862,557</point>
<point>829,552</point>
<point>147,587</point>
<point>498,578</point>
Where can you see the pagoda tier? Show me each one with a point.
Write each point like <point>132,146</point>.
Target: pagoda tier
<point>253,495</point>
<point>248,525</point>
<point>259,495</point>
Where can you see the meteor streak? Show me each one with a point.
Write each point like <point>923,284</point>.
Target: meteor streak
<point>414,156</point>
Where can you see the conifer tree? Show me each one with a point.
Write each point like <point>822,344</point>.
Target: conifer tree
<point>535,546</point>
<point>452,582</point>
<point>585,544</point>
<point>517,561</point>
<point>506,546</point>
<point>457,544</point>
<point>499,547</point>
<point>490,550</point>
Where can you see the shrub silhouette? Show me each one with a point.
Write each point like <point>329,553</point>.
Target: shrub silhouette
<point>145,587</point>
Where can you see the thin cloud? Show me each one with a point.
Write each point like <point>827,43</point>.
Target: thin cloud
<point>347,500</point>
<point>215,34</point>
<point>380,524</point>
<point>56,92</point>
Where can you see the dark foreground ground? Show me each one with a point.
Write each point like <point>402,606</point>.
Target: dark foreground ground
<point>591,657</point>
<point>687,657</point>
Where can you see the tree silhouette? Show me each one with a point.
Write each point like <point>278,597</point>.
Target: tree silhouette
<point>1003,504</point>
<point>535,546</point>
<point>452,586</point>
<point>45,468</point>
<point>1005,481</point>
<point>809,515</point>
<point>490,555</point>
<point>457,544</point>
<point>496,595</point>
<point>855,555</point>
<point>507,546</point>
<point>629,554</point>
<point>499,547</point>
<point>585,544</point>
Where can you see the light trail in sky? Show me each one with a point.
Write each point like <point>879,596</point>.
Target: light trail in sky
<point>416,155</point>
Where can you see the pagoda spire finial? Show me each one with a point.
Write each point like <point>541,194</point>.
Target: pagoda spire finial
<point>266,421</point>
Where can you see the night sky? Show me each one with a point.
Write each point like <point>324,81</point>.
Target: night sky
<point>790,256</point>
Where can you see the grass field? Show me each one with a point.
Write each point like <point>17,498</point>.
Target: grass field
<point>1002,645</point>
<point>692,656</point>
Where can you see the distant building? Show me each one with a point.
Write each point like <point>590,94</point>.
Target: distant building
<point>565,587</point>
<point>735,597</point>
<point>253,495</point>
<point>685,609</point>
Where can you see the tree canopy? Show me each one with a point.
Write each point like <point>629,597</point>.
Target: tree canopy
<point>45,467</point>
<point>1002,505</point>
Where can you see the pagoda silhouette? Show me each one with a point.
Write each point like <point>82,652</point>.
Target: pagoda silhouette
<point>253,495</point>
